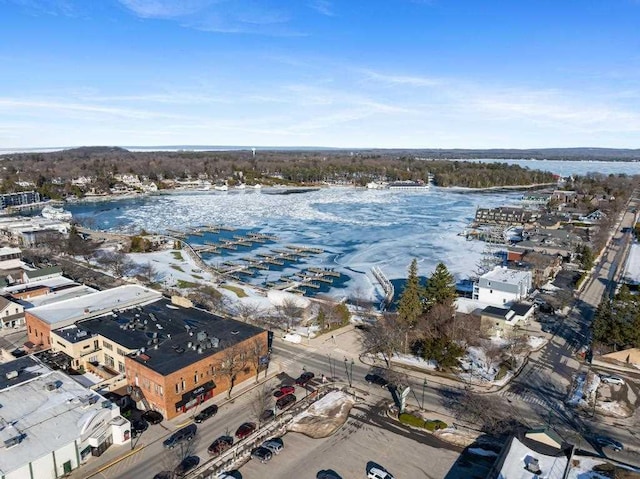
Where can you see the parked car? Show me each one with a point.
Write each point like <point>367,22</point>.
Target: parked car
<point>267,415</point>
<point>275,445</point>
<point>220,445</point>
<point>305,378</point>
<point>186,465</point>
<point>376,379</point>
<point>283,391</point>
<point>206,413</point>
<point>262,453</point>
<point>185,434</point>
<point>604,441</point>
<point>285,401</point>
<point>152,417</point>
<point>612,380</point>
<point>377,473</point>
<point>245,429</point>
<point>328,474</point>
<point>138,426</point>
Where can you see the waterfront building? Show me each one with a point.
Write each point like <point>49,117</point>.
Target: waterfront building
<point>502,286</point>
<point>19,199</point>
<point>504,215</point>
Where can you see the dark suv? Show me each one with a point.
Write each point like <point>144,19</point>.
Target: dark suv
<point>184,434</point>
<point>285,401</point>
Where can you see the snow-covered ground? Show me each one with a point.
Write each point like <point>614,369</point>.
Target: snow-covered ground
<point>582,468</point>
<point>584,388</point>
<point>632,268</point>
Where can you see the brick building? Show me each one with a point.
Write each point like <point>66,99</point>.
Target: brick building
<point>172,357</point>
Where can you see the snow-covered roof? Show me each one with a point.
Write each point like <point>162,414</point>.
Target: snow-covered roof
<point>46,418</point>
<point>632,270</point>
<point>506,275</point>
<point>519,455</point>
<point>67,312</point>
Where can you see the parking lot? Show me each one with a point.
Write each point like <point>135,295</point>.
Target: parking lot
<point>365,437</point>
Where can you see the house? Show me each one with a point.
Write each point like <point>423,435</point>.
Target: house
<point>543,267</point>
<point>502,286</point>
<point>11,314</point>
<point>533,454</point>
<point>50,423</point>
<point>41,274</point>
<point>501,322</point>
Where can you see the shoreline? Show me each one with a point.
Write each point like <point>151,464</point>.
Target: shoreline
<point>293,188</point>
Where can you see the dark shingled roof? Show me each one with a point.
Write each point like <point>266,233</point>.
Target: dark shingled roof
<point>169,328</point>
<point>38,273</point>
<point>520,308</point>
<point>495,311</point>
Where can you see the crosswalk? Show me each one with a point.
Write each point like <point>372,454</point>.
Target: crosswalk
<point>532,397</point>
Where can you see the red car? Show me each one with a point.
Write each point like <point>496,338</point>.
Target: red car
<point>245,429</point>
<point>283,391</point>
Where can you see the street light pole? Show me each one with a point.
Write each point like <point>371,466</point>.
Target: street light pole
<point>424,385</point>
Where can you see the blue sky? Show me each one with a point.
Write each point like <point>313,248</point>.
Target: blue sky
<point>335,73</point>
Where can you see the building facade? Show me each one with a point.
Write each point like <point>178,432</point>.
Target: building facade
<point>503,286</point>
<point>19,199</point>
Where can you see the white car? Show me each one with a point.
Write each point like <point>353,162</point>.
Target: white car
<point>376,473</point>
<point>612,380</point>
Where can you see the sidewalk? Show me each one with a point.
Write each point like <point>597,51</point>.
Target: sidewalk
<point>159,432</point>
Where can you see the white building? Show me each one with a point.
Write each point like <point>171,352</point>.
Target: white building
<point>502,286</point>
<point>10,258</point>
<point>11,314</point>
<point>49,424</point>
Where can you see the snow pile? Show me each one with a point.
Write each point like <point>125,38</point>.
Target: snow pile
<point>323,417</point>
<point>536,342</point>
<point>414,361</point>
<point>584,388</point>
<point>582,468</point>
<point>613,408</point>
<point>456,436</point>
<point>482,452</point>
<point>476,366</point>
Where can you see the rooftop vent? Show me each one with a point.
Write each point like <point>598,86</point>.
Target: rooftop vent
<point>51,386</point>
<point>235,331</point>
<point>532,465</point>
<point>12,374</point>
<point>201,336</point>
<point>215,342</point>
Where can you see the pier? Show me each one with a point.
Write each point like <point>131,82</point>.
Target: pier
<point>389,290</point>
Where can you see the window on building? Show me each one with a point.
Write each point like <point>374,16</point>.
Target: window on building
<point>108,360</point>
<point>107,345</point>
<point>120,366</point>
<point>120,352</point>
<point>183,384</point>
<point>195,378</point>
<point>177,388</point>
<point>29,329</point>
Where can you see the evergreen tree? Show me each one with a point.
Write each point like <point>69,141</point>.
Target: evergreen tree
<point>410,302</point>
<point>441,288</point>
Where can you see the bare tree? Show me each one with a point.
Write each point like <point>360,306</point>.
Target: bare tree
<point>233,362</point>
<point>385,338</point>
<point>247,312</point>
<point>147,271</point>
<point>257,353</point>
<point>117,262</point>
<point>290,312</point>
<point>260,402</point>
<point>491,354</point>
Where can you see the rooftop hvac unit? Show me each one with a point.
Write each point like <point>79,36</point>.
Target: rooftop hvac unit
<point>51,386</point>
<point>215,342</point>
<point>12,374</point>
<point>201,336</point>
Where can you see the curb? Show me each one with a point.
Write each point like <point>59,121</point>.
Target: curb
<point>116,461</point>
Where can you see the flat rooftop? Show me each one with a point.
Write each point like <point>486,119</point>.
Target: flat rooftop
<point>47,420</point>
<point>68,311</point>
<point>164,330</point>
<point>506,275</point>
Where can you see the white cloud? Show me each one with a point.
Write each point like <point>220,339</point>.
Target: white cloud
<point>323,7</point>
